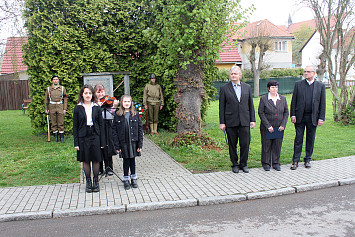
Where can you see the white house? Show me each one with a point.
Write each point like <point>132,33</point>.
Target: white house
<point>280,54</point>
<point>311,51</point>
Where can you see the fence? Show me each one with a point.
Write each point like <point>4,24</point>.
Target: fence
<point>286,85</point>
<point>13,92</point>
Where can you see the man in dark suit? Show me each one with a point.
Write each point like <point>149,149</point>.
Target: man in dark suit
<point>237,116</point>
<point>307,111</point>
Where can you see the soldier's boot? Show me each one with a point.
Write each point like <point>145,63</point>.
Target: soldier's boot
<point>55,136</point>
<point>155,128</point>
<point>61,137</point>
<point>88,188</point>
<point>151,126</point>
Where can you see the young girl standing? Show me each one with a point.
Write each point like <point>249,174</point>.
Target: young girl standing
<point>128,138</point>
<point>88,128</point>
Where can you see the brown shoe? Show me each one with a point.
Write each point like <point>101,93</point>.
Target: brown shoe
<point>294,166</point>
<point>307,164</point>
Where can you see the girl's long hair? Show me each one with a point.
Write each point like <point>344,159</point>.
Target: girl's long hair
<point>80,96</point>
<point>120,111</point>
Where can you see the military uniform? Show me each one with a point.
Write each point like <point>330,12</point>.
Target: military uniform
<point>56,103</point>
<point>153,98</point>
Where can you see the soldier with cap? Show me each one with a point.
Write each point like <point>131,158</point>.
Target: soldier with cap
<point>56,106</point>
<point>153,101</point>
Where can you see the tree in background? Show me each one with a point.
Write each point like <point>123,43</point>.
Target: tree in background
<point>68,38</point>
<point>301,36</point>
<point>188,35</point>
<point>335,23</point>
<point>260,42</point>
<point>11,23</point>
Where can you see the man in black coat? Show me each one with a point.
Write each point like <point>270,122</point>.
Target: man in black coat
<point>237,116</point>
<point>307,111</point>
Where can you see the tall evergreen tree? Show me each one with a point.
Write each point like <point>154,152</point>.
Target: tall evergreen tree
<point>68,38</point>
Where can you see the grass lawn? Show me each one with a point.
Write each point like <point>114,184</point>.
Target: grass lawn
<point>28,159</point>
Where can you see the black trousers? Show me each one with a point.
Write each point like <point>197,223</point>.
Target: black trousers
<point>270,150</point>
<point>306,123</point>
<point>129,164</point>
<point>243,135</point>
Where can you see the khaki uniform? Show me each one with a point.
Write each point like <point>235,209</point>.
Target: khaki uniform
<point>56,102</point>
<point>153,98</point>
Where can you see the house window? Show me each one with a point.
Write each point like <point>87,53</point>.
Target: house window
<point>281,46</point>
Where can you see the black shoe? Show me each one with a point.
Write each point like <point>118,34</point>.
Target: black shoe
<point>307,164</point>
<point>61,137</point>
<point>55,136</point>
<point>235,169</point>
<point>134,183</point>
<point>96,187</point>
<point>245,169</point>
<point>294,166</point>
<point>126,184</point>
<point>88,188</point>
<point>277,168</point>
<point>267,167</point>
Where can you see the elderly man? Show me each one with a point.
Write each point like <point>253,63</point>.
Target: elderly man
<point>307,111</point>
<point>237,116</point>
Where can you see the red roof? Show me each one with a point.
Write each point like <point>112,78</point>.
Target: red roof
<point>13,61</point>
<point>263,28</point>
<point>229,53</point>
<point>312,23</point>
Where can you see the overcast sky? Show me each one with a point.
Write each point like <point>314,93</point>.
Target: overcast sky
<point>277,11</point>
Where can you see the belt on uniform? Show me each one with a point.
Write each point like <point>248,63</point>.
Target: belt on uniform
<point>56,103</point>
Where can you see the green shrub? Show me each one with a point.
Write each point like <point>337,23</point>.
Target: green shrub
<point>279,72</point>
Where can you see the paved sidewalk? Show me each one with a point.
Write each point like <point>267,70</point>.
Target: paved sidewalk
<point>163,183</point>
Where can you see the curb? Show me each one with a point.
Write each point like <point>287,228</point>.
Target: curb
<point>202,201</point>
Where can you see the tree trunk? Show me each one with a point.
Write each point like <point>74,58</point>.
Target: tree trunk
<point>256,83</point>
<point>322,66</point>
<point>189,96</point>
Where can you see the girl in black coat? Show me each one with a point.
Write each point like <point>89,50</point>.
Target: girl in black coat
<point>128,138</point>
<point>87,130</point>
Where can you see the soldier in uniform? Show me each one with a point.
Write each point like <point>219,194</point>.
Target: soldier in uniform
<point>56,106</point>
<point>153,101</point>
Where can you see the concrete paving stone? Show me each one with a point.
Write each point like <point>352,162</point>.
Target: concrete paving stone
<point>161,205</point>
<point>347,181</point>
<point>270,193</point>
<point>89,211</point>
<point>314,186</point>
<point>26,216</point>
<point>203,201</point>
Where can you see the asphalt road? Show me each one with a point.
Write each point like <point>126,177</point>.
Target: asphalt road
<point>325,212</point>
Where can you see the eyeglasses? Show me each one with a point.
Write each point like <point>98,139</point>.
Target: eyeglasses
<point>308,71</point>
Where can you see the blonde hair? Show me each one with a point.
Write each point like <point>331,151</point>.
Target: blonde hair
<point>120,111</point>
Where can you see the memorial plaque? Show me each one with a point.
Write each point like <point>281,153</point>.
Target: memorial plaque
<point>105,80</point>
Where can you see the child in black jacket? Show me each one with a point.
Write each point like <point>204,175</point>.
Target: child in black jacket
<point>128,138</point>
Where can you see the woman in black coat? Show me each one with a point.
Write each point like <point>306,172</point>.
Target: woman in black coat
<point>88,129</point>
<point>128,138</point>
<point>273,113</point>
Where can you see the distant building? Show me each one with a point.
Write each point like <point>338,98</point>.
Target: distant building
<point>280,56</point>
<point>228,56</point>
<point>12,64</point>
